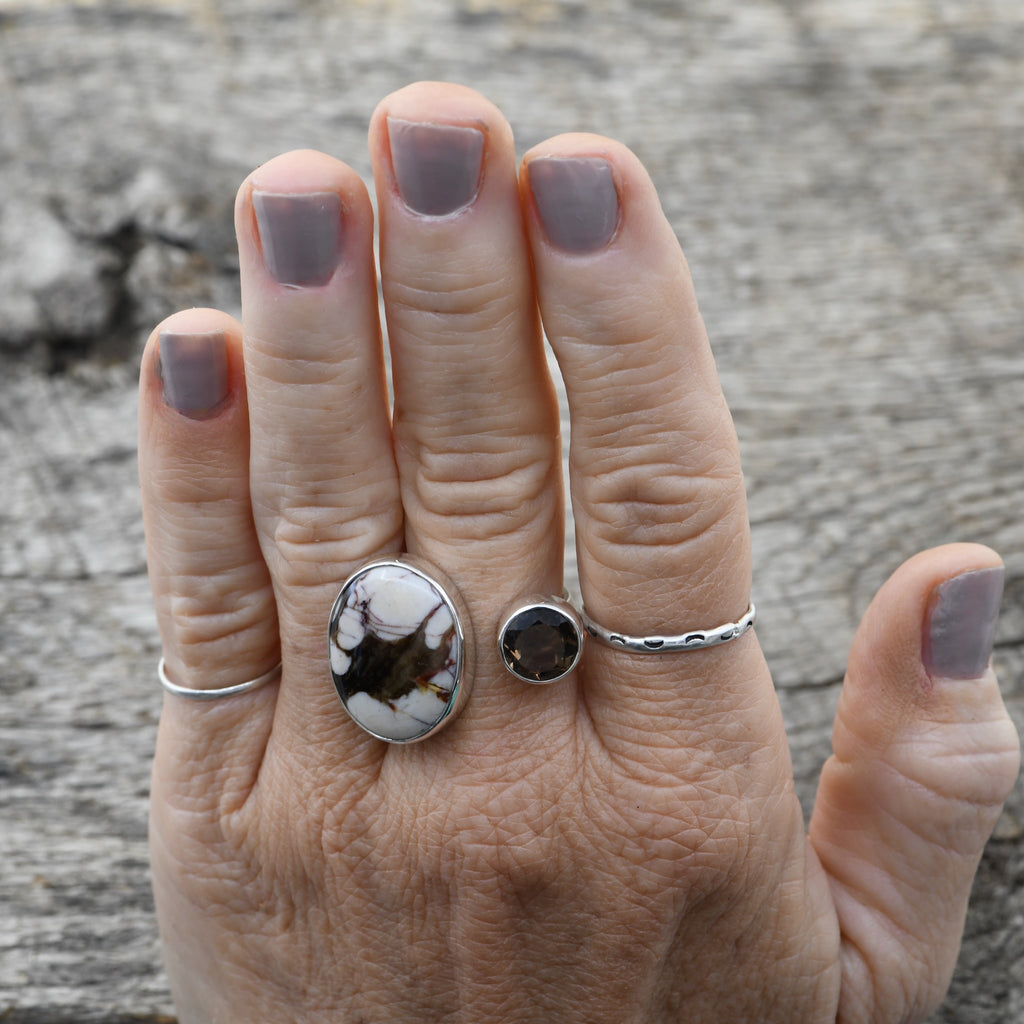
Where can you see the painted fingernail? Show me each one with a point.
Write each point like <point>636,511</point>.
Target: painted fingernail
<point>193,369</point>
<point>961,624</point>
<point>300,235</point>
<point>437,166</point>
<point>577,201</point>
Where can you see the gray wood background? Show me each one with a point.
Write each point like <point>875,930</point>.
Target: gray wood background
<point>847,177</point>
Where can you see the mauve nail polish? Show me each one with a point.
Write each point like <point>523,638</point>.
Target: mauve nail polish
<point>194,371</point>
<point>576,200</point>
<point>437,166</point>
<point>300,235</point>
<point>961,625</point>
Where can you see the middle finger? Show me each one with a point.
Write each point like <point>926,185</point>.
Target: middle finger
<point>476,420</point>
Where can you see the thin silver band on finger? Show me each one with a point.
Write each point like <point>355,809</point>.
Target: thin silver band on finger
<point>225,691</point>
<point>694,640</point>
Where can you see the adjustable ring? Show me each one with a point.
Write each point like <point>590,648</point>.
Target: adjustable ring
<point>692,641</point>
<point>399,649</point>
<point>224,691</point>
<point>540,639</point>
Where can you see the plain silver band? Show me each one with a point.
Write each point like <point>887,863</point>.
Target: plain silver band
<point>225,691</point>
<point>695,640</point>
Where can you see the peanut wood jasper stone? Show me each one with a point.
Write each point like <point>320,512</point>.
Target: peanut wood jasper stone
<point>396,651</point>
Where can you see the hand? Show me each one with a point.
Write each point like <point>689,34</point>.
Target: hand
<point>624,845</point>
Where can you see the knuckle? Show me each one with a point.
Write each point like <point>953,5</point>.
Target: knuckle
<point>216,614</point>
<point>310,543</point>
<point>709,847</point>
<point>644,511</point>
<point>962,774</point>
<point>486,495</point>
<point>439,302</point>
<point>628,315</point>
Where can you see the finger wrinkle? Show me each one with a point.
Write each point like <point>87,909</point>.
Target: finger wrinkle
<point>295,364</point>
<point>628,309</point>
<point>474,305</point>
<point>304,530</point>
<point>525,468</point>
<point>627,535</point>
<point>643,492</point>
<point>194,631</point>
<point>681,443</point>
<point>493,418</point>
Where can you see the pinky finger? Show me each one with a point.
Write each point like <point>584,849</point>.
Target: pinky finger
<point>214,602</point>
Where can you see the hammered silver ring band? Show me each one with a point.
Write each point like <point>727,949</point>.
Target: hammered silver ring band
<point>694,640</point>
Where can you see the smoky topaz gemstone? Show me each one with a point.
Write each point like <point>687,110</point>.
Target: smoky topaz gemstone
<point>540,644</point>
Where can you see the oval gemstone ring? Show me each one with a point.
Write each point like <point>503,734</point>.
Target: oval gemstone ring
<point>399,649</point>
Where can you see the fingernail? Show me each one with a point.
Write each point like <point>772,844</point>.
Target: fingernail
<point>437,166</point>
<point>193,369</point>
<point>300,235</point>
<point>577,201</point>
<point>961,624</point>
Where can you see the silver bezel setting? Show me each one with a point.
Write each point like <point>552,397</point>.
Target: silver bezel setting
<point>462,670</point>
<point>556,604</point>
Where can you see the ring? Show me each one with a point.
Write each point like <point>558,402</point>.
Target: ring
<point>694,640</point>
<point>225,691</point>
<point>540,639</point>
<point>399,651</point>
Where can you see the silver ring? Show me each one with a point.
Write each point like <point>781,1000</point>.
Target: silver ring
<point>694,640</point>
<point>399,649</point>
<point>540,639</point>
<point>225,691</point>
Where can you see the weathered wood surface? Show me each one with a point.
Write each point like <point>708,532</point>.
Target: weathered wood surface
<point>848,180</point>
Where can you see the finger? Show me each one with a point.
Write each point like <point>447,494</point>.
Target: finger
<point>476,421</point>
<point>924,755</point>
<point>324,486</point>
<point>214,603</point>
<point>663,543</point>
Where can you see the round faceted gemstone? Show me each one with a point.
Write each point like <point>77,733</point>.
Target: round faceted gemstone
<point>541,644</point>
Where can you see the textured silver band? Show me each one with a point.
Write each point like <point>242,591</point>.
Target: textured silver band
<point>225,691</point>
<point>694,640</point>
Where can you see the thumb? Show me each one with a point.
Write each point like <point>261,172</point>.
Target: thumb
<point>924,754</point>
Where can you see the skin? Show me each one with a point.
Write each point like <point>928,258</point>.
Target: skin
<point>623,846</point>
